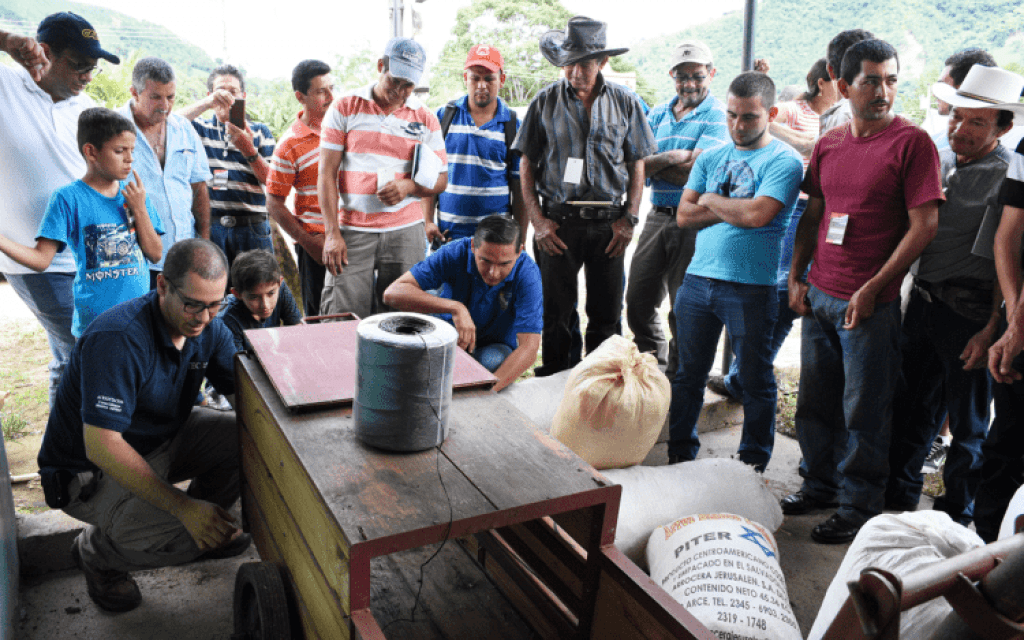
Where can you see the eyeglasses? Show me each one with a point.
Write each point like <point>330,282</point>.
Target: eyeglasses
<point>682,78</point>
<point>84,68</point>
<point>195,307</point>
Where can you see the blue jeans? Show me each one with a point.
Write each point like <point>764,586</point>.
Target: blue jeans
<point>844,410</point>
<point>235,240</point>
<point>51,297</point>
<point>932,339</point>
<point>783,325</point>
<point>748,311</point>
<point>492,356</point>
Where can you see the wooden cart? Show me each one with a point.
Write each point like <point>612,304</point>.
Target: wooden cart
<point>342,528</point>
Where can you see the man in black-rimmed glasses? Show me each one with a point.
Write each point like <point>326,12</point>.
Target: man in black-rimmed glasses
<point>124,430</point>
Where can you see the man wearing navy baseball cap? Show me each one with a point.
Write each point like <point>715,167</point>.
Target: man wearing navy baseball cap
<point>41,102</point>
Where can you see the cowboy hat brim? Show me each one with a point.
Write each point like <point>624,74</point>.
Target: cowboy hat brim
<point>949,95</point>
<point>553,49</point>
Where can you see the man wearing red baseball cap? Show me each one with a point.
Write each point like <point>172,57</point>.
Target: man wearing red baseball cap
<point>483,172</point>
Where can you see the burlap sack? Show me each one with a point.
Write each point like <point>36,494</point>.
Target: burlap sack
<point>614,407</point>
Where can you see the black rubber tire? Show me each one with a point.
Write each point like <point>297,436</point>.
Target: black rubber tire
<point>261,603</point>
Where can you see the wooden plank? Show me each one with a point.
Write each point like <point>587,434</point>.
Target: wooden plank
<point>528,595</point>
<point>308,376</point>
<point>547,563</point>
<point>269,552</point>
<point>456,597</point>
<point>322,603</point>
<point>314,526</point>
<point>631,605</point>
<point>260,437</point>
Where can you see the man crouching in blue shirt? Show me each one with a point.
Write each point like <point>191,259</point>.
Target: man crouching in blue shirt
<point>123,431</point>
<point>489,289</point>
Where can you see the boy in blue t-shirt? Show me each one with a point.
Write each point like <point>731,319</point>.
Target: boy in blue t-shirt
<point>106,219</point>
<point>259,298</point>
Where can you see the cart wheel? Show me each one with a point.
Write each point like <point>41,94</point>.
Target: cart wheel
<point>261,605</point>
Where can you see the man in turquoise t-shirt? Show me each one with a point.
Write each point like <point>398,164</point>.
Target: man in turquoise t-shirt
<point>741,197</point>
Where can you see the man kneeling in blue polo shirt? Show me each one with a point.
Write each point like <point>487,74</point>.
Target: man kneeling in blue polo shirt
<point>489,289</point>
<point>123,430</point>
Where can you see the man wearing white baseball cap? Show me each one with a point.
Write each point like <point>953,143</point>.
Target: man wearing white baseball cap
<point>368,141</point>
<point>954,311</point>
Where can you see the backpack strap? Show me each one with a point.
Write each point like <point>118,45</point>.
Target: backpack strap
<point>446,119</point>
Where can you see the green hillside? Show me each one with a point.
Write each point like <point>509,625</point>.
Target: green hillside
<point>119,33</point>
<point>792,34</point>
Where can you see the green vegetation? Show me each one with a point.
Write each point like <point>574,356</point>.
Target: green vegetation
<point>119,33</point>
<point>792,34</point>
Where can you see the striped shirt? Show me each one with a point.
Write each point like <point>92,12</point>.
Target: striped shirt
<point>373,142</point>
<point>556,128</point>
<point>296,163</point>
<point>799,116</point>
<point>702,128</point>
<point>242,195</point>
<point>478,170</point>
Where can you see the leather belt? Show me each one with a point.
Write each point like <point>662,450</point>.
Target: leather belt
<point>568,211</point>
<point>229,222</point>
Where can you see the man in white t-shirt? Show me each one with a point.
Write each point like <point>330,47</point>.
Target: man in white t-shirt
<point>41,101</point>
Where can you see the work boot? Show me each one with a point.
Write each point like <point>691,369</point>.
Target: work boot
<point>114,591</point>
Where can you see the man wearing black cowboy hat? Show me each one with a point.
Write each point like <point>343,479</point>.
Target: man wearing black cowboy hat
<point>583,141</point>
<point>38,124</point>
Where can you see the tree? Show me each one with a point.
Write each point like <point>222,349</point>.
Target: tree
<point>514,27</point>
<point>356,70</point>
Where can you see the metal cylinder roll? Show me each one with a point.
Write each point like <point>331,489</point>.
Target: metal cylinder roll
<point>404,368</point>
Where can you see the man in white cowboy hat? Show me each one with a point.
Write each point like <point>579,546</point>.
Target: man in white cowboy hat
<point>954,311</point>
<point>1002,471</point>
<point>873,206</point>
<point>583,142</point>
<point>684,127</point>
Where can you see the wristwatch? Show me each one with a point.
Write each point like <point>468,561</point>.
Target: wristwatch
<point>251,159</point>
<point>633,220</point>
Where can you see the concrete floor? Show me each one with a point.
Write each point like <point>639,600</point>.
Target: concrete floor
<point>195,601</point>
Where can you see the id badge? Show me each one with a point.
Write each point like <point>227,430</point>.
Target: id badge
<point>837,228</point>
<point>573,171</point>
<point>384,176</point>
<point>220,179</point>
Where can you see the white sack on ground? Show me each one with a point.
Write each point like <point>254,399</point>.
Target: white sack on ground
<point>899,543</point>
<point>614,407</point>
<point>725,570</point>
<point>1015,509</point>
<point>538,398</point>
<point>652,496</point>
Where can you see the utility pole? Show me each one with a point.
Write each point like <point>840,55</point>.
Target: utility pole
<point>397,18</point>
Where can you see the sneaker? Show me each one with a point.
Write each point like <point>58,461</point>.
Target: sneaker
<point>936,457</point>
<point>717,384</point>
<point>114,591</point>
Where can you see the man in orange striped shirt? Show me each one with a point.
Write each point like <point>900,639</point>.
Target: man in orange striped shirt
<point>296,163</point>
<point>368,142</point>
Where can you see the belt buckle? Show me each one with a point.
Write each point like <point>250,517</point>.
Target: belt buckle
<point>228,222</point>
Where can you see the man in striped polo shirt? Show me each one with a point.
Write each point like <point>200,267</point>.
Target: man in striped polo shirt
<point>296,163</point>
<point>481,173</point>
<point>368,143</point>
<point>239,162</point>
<point>686,125</point>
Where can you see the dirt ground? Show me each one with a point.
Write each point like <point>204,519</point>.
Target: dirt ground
<point>24,354</point>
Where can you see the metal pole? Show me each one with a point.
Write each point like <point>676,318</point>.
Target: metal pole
<point>747,63</point>
<point>397,9</point>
